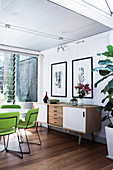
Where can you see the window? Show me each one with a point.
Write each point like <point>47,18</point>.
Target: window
<point>18,78</point>
<point>26,78</point>
<point>6,77</point>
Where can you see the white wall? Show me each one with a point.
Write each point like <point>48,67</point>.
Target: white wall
<point>90,47</point>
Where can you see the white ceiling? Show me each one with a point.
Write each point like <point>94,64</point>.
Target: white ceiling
<point>38,24</point>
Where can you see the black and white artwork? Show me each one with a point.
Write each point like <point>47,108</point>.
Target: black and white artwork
<point>59,79</point>
<point>82,73</point>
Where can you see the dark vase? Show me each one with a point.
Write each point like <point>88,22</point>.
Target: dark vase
<point>45,98</point>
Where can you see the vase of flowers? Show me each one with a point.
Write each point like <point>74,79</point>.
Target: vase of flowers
<point>82,90</point>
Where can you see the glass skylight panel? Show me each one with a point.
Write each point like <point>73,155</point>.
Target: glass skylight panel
<point>99,4</point>
<point>110,3</point>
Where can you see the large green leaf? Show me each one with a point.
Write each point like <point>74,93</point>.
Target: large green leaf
<point>105,99</point>
<point>105,77</point>
<point>110,91</point>
<point>99,54</point>
<point>110,84</point>
<point>103,118</point>
<point>104,72</point>
<point>111,97</point>
<point>110,125</point>
<point>106,54</point>
<point>104,62</point>
<point>110,49</point>
<point>112,113</point>
<point>106,89</point>
<point>100,108</point>
<point>99,68</point>
<point>108,106</point>
<point>110,67</point>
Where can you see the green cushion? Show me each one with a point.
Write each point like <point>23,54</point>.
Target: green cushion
<point>29,117</point>
<point>33,116</point>
<point>6,131</point>
<point>13,106</point>
<point>8,122</point>
<point>23,124</point>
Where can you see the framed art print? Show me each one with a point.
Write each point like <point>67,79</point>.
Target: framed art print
<point>59,79</point>
<point>82,73</point>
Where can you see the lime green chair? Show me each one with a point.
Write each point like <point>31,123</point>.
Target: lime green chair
<point>30,121</point>
<point>8,125</point>
<point>12,106</point>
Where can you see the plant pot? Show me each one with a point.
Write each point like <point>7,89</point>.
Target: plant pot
<point>109,140</point>
<point>80,101</point>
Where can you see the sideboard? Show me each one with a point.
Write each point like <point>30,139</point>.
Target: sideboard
<point>82,119</point>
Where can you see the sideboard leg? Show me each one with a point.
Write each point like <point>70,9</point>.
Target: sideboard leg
<point>92,135</point>
<point>36,124</point>
<point>79,140</point>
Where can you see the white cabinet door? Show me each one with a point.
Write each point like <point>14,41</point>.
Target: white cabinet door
<point>42,115</point>
<point>74,118</point>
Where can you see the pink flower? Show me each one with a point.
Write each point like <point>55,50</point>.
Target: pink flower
<point>82,89</point>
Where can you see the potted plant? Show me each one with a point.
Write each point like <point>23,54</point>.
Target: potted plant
<point>82,90</point>
<point>105,69</point>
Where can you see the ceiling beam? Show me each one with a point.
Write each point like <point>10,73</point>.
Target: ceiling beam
<point>83,9</point>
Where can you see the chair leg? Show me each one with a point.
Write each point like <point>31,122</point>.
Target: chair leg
<point>5,146</point>
<point>27,143</point>
<point>4,142</point>
<point>7,141</point>
<point>38,136</point>
<point>21,137</point>
<point>31,142</point>
<point>15,153</point>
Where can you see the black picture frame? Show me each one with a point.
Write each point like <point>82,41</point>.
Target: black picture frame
<point>59,79</point>
<point>84,65</point>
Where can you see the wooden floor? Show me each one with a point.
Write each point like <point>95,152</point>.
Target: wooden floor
<point>59,151</point>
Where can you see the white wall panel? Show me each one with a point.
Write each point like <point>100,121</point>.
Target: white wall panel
<point>90,47</point>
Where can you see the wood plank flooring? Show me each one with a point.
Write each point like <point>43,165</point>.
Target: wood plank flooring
<point>59,151</point>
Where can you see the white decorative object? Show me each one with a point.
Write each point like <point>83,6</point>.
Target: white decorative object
<point>109,140</point>
<point>80,101</point>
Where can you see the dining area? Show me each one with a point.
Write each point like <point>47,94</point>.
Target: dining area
<point>15,120</point>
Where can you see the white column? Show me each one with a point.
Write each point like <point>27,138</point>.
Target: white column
<point>40,78</point>
<point>111,38</point>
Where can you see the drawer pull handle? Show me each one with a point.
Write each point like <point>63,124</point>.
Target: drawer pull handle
<point>55,106</point>
<point>55,110</point>
<point>83,114</point>
<point>55,117</point>
<point>55,122</point>
<point>55,114</point>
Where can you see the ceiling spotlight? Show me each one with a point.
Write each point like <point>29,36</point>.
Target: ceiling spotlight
<point>77,42</point>
<point>60,38</point>
<point>7,26</point>
<point>58,48</point>
<point>61,48</point>
<point>65,47</point>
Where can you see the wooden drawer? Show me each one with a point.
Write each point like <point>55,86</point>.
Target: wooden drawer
<point>56,121</point>
<point>55,114</point>
<point>56,109</point>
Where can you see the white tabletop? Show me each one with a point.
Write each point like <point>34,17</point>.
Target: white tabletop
<point>21,111</point>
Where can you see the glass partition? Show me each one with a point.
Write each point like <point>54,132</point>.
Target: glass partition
<point>18,78</point>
